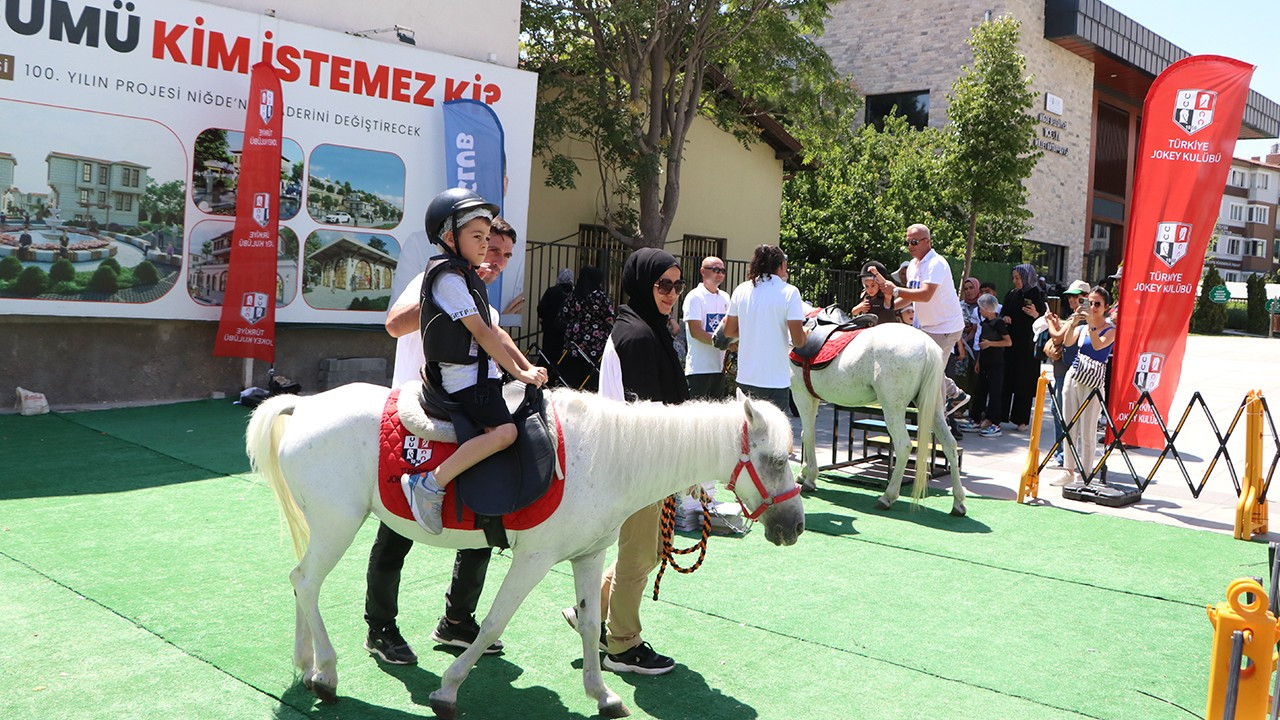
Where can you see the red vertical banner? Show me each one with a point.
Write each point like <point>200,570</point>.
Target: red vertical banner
<point>1190,123</point>
<point>247,328</point>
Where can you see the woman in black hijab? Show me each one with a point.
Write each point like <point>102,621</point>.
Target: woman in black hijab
<point>641,362</point>
<point>651,369</point>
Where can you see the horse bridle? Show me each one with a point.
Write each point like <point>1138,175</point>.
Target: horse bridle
<point>767,500</point>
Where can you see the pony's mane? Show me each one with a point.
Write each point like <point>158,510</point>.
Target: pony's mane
<point>625,438</point>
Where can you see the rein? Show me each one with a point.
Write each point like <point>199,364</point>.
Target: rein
<point>668,522</point>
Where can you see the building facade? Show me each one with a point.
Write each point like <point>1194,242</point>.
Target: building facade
<point>87,188</point>
<point>1245,236</point>
<point>1091,67</point>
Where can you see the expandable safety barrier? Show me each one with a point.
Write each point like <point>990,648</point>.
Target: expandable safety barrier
<point>1251,489</point>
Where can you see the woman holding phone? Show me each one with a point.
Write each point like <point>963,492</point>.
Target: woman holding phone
<point>1022,305</point>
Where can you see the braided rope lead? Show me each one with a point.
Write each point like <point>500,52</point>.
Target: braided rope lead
<point>667,532</point>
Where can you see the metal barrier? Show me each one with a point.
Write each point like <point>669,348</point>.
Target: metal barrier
<point>1251,510</point>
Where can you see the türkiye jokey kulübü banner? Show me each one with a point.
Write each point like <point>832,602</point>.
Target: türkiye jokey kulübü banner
<point>1190,123</point>
<point>121,141</point>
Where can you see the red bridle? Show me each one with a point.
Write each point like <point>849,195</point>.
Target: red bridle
<point>767,500</point>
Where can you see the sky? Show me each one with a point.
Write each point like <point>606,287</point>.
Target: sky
<point>1247,30</point>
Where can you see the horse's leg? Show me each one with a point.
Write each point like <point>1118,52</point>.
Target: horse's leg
<point>807,405</point>
<point>329,540</point>
<point>942,434</point>
<point>587,572</point>
<point>304,654</point>
<point>527,570</point>
<point>895,422</point>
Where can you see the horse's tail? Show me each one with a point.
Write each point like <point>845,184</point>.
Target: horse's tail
<point>262,444</point>
<point>928,403</point>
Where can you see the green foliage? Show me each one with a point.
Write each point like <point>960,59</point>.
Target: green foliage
<point>10,266</point>
<point>31,281</point>
<point>111,263</point>
<point>1209,317</point>
<point>366,303</point>
<point>62,271</point>
<point>628,80</point>
<point>164,202</point>
<point>990,151</point>
<point>211,145</point>
<point>145,273</point>
<point>104,280</point>
<point>1257,307</point>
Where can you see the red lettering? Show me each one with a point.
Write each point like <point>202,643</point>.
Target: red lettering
<point>197,44</point>
<point>317,60</point>
<point>234,58</point>
<point>428,81</point>
<point>453,89</point>
<point>339,74</point>
<point>400,85</point>
<point>165,41</point>
<point>369,85</point>
<point>492,93</point>
<point>287,56</point>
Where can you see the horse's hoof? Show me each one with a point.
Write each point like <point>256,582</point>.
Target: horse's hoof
<point>616,710</point>
<point>958,512</point>
<point>444,710</point>
<point>327,693</point>
<point>882,505</point>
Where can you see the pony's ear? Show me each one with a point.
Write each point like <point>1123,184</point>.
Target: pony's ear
<point>741,395</point>
<point>747,408</point>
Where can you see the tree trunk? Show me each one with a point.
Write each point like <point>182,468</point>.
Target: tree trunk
<point>968,249</point>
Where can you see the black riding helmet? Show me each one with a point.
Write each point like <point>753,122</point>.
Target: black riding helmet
<point>446,207</point>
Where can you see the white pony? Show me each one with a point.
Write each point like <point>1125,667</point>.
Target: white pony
<point>319,455</point>
<point>891,364</point>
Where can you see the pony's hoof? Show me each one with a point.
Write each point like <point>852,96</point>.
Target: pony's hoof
<point>615,710</point>
<point>327,693</point>
<point>882,505</point>
<point>958,511</point>
<point>444,710</point>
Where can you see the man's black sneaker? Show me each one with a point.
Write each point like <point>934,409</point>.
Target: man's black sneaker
<point>639,659</point>
<point>957,401</point>
<point>461,635</point>
<point>388,644</point>
<point>571,616</point>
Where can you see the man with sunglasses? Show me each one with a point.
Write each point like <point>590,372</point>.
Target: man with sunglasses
<point>938,312</point>
<point>704,309</point>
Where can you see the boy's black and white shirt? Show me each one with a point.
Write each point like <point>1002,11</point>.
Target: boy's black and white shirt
<point>451,295</point>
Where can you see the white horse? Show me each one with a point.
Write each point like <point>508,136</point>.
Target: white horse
<point>319,455</point>
<point>891,364</point>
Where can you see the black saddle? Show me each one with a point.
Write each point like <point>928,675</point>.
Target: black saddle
<point>820,327</point>
<point>512,478</point>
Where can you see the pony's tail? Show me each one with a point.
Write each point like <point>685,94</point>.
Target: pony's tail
<point>262,443</point>
<point>928,402</point>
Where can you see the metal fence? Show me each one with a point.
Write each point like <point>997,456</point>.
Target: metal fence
<point>818,286</point>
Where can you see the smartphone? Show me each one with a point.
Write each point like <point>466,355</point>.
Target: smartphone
<point>1055,305</point>
<point>1026,303</point>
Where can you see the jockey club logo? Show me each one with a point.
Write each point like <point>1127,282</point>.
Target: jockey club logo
<point>266,105</point>
<point>1147,377</point>
<point>1172,239</point>
<point>254,307</point>
<point>1193,109</point>
<point>262,209</point>
<point>416,451</point>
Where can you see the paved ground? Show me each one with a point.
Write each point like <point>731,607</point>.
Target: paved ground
<point>1222,369</point>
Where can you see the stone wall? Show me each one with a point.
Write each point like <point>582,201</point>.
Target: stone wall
<point>889,46</point>
<point>81,362</point>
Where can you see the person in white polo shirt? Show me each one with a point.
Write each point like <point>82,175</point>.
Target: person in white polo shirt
<point>767,317</point>
<point>932,290</point>
<point>704,309</point>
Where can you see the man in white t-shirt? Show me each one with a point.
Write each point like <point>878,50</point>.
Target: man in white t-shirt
<point>767,317</point>
<point>938,311</point>
<point>704,309</point>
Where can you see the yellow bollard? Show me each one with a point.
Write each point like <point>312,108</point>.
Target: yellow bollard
<point>1251,516</point>
<point>1260,630</point>
<point>1029,487</point>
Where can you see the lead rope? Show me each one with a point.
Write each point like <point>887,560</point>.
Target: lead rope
<point>667,532</point>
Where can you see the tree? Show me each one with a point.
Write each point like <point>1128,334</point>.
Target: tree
<point>161,201</point>
<point>1257,304</point>
<point>990,151</point>
<point>1209,317</point>
<point>378,244</point>
<point>211,146</point>
<point>629,79</point>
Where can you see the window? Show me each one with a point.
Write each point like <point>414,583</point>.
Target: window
<point>1259,214</point>
<point>1237,212</point>
<point>104,175</point>
<point>1256,248</point>
<point>1111,159</point>
<point>119,201</point>
<point>914,106</point>
<point>130,177</point>
<point>1233,246</point>
<point>102,198</point>
<point>84,198</point>
<point>128,203</point>
<point>86,174</point>
<point>1238,178</point>
<point>1261,181</point>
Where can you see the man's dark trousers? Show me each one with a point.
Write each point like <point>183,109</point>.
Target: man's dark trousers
<point>382,580</point>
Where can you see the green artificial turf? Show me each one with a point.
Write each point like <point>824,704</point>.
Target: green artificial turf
<point>145,576</point>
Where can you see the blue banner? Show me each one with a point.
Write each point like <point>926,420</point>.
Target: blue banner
<point>475,157</point>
